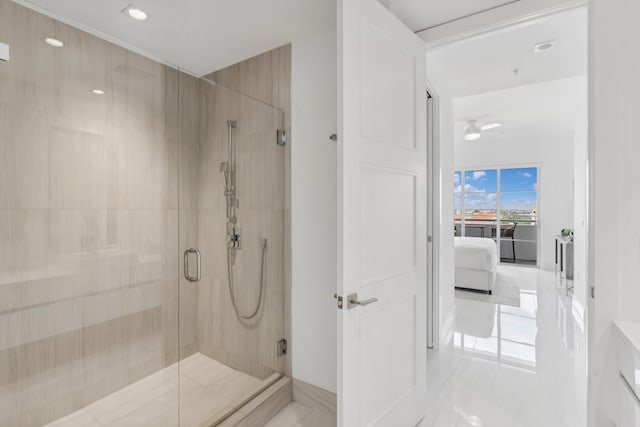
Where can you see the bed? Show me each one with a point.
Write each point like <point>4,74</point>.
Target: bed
<point>476,261</point>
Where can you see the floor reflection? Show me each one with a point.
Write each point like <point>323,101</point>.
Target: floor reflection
<point>500,332</point>
<point>510,365</point>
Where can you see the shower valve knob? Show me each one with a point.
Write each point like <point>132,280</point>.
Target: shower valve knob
<point>234,241</point>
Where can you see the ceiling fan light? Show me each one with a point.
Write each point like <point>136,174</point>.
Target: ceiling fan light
<point>472,136</point>
<point>473,132</point>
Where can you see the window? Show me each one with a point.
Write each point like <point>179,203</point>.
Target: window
<point>501,204</point>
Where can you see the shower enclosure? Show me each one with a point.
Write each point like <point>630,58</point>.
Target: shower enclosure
<point>137,287</point>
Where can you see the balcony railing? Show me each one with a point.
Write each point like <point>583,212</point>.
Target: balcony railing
<point>521,248</point>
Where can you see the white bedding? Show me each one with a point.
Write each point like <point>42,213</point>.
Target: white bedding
<point>476,253</point>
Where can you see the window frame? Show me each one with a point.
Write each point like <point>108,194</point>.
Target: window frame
<point>499,220</point>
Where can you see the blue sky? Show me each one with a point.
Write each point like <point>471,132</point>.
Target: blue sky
<point>518,188</point>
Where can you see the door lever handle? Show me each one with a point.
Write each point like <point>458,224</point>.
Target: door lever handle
<point>352,301</point>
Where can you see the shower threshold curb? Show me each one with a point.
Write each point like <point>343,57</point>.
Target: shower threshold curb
<point>259,409</point>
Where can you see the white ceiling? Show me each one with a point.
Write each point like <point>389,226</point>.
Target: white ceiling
<point>534,109</point>
<point>486,63</point>
<point>422,14</point>
<point>546,94</point>
<point>199,36</point>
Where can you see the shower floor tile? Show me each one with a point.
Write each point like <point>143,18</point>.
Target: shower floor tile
<point>196,392</point>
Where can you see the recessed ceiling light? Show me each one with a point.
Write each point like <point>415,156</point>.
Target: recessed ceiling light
<point>98,91</point>
<point>137,14</point>
<point>541,47</point>
<point>53,42</point>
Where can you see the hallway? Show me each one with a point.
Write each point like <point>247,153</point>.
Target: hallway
<point>511,366</point>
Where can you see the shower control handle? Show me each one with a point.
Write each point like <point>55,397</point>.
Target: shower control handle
<point>233,239</point>
<point>187,275</point>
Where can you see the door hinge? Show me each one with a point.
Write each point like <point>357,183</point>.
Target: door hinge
<point>339,299</point>
<point>593,291</point>
<point>281,347</point>
<point>281,136</point>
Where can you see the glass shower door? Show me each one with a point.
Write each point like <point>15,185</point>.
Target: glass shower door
<point>231,221</point>
<point>88,230</point>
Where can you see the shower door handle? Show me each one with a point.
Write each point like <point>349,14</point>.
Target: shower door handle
<point>187,275</point>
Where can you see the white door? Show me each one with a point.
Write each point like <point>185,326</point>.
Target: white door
<point>382,218</point>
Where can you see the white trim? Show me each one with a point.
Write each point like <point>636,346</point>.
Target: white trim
<point>499,18</point>
<point>118,42</point>
<point>589,281</point>
<point>433,217</point>
<point>501,166</point>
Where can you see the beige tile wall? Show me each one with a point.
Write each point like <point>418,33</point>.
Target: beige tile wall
<point>267,78</point>
<point>249,346</point>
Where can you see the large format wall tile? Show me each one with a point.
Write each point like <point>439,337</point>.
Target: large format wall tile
<point>249,346</point>
<point>89,219</point>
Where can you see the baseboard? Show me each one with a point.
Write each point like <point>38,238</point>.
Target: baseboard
<point>314,397</point>
<point>265,406</point>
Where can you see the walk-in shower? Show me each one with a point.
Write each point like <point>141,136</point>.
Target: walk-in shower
<point>139,285</point>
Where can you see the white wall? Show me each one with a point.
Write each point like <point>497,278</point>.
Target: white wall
<point>580,202</point>
<point>446,261</point>
<point>554,154</point>
<point>614,85</point>
<point>579,300</point>
<point>443,88</point>
<point>314,210</point>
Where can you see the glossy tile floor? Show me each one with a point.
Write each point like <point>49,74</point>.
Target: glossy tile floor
<point>297,415</point>
<point>207,388</point>
<point>511,366</point>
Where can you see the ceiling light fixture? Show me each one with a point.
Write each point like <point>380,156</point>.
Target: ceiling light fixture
<point>98,91</point>
<point>137,14</point>
<point>544,46</point>
<point>473,132</point>
<point>53,42</point>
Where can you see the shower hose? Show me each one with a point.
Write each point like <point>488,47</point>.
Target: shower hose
<point>254,313</point>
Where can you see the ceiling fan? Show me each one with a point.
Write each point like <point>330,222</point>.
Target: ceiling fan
<point>474,132</point>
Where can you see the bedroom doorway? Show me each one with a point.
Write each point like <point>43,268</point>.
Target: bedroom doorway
<point>512,156</point>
